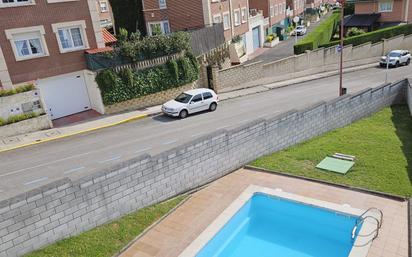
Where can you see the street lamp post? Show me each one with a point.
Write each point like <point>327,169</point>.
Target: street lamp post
<point>296,20</point>
<point>342,2</point>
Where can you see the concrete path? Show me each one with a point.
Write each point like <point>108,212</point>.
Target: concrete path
<point>179,229</point>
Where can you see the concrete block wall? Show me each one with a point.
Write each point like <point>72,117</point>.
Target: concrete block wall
<point>65,208</point>
<point>309,63</point>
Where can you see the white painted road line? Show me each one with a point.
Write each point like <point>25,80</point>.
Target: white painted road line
<point>74,170</point>
<point>196,135</point>
<point>36,181</point>
<point>111,159</point>
<point>143,150</point>
<point>169,142</point>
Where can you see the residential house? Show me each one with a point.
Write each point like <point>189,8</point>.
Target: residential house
<point>162,16</point>
<point>43,42</point>
<point>275,13</point>
<point>105,14</point>
<point>377,13</point>
<point>296,7</point>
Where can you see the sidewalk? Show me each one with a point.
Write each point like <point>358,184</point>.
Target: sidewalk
<point>14,142</point>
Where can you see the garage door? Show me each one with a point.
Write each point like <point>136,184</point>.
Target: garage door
<point>64,95</point>
<point>256,38</point>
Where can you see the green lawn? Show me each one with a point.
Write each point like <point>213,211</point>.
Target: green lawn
<point>382,144</point>
<point>108,239</point>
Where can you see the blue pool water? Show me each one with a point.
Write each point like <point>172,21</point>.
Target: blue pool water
<point>273,227</point>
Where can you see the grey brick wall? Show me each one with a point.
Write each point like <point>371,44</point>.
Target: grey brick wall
<point>65,208</point>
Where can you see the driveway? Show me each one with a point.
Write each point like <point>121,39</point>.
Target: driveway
<point>283,49</point>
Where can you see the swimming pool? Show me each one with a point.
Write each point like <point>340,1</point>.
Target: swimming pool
<point>268,225</point>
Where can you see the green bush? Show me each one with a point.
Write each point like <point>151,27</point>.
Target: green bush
<point>374,36</point>
<point>125,85</point>
<point>18,117</point>
<point>321,35</point>
<point>139,48</point>
<point>354,32</point>
<point>21,89</point>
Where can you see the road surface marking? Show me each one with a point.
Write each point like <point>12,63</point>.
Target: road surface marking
<point>169,142</point>
<point>195,135</point>
<point>36,181</point>
<point>137,117</point>
<point>143,149</point>
<point>111,159</point>
<point>74,170</point>
<point>223,127</point>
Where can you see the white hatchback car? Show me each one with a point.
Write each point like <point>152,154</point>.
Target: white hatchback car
<point>191,101</point>
<point>396,58</point>
<point>300,30</point>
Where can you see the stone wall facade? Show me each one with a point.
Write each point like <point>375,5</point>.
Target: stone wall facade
<point>149,100</point>
<point>65,207</point>
<point>309,63</point>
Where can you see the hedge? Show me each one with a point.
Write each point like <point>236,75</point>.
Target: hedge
<point>18,117</point>
<point>321,35</point>
<point>127,84</point>
<point>374,36</point>
<point>18,90</point>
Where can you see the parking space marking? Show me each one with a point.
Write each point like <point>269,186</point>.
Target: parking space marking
<point>143,149</point>
<point>169,142</point>
<point>36,181</point>
<point>111,159</point>
<point>74,170</point>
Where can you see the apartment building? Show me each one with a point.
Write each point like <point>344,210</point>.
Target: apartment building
<point>105,14</point>
<point>296,7</point>
<point>43,42</point>
<point>274,11</point>
<point>390,11</point>
<point>163,16</point>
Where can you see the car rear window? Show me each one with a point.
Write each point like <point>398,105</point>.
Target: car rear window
<point>207,95</point>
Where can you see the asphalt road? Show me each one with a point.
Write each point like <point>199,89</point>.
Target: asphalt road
<point>27,168</point>
<point>284,48</point>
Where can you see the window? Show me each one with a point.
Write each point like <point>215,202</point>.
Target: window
<point>162,4</point>
<point>385,6</point>
<point>217,18</point>
<point>226,21</point>
<point>156,28</point>
<point>197,98</point>
<point>237,17</point>
<point>244,15</point>
<point>207,95</point>
<point>27,43</point>
<point>276,10</point>
<point>71,36</point>
<point>272,11</point>
<point>103,6</point>
<point>11,3</point>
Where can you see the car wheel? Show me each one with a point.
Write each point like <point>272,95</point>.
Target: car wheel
<point>408,61</point>
<point>396,64</point>
<point>183,114</point>
<point>212,107</point>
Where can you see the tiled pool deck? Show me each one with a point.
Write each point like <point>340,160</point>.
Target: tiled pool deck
<point>172,235</point>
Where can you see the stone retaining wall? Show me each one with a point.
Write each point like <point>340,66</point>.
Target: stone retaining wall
<point>65,208</point>
<point>149,100</point>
